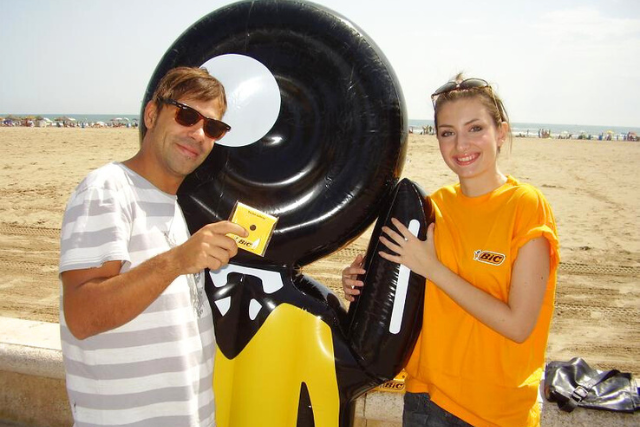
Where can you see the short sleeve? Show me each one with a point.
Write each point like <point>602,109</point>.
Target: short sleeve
<point>534,218</point>
<point>96,228</point>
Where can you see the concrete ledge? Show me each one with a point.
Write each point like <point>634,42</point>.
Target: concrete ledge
<point>385,409</point>
<point>32,385</point>
<point>553,417</point>
<point>34,361</point>
<point>31,348</point>
<point>34,401</point>
<point>33,392</point>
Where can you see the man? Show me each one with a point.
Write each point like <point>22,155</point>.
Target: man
<point>136,327</point>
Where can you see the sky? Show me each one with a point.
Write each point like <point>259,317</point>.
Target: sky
<point>552,61</point>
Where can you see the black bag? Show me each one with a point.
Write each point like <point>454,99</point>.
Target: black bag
<point>574,383</point>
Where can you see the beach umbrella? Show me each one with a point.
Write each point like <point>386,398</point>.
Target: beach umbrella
<point>64,119</point>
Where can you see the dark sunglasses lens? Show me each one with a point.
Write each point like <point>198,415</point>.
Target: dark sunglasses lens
<point>187,116</point>
<point>445,88</point>
<point>215,129</point>
<point>473,83</point>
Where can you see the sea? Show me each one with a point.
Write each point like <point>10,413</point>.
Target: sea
<point>531,130</point>
<point>535,130</point>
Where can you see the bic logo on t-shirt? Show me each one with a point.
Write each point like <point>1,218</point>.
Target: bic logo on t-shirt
<point>489,257</point>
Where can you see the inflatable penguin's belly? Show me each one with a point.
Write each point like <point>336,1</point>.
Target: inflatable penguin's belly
<point>262,385</point>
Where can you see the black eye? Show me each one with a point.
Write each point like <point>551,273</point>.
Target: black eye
<point>215,129</point>
<point>253,228</point>
<point>188,117</point>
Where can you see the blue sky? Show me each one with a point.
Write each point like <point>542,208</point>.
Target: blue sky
<point>560,61</point>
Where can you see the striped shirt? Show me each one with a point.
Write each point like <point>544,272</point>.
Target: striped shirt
<point>156,370</point>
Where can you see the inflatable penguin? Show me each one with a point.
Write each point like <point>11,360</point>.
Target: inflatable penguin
<point>318,140</point>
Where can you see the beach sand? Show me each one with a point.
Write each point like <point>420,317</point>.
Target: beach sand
<point>591,186</point>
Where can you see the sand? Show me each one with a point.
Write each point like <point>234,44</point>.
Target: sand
<point>591,186</point>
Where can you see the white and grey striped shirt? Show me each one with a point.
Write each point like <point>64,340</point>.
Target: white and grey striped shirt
<point>157,369</point>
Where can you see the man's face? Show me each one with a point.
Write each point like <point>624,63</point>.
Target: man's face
<point>179,149</point>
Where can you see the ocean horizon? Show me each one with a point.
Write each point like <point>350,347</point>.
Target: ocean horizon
<point>555,129</point>
<point>518,129</point>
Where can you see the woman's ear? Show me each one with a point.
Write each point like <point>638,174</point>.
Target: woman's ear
<point>503,132</point>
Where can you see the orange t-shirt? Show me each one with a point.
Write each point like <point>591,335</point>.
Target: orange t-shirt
<point>469,369</point>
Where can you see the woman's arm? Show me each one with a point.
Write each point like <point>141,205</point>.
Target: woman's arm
<point>514,319</point>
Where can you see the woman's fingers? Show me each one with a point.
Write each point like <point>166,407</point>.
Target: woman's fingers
<point>395,236</point>
<point>350,282</point>
<point>391,245</point>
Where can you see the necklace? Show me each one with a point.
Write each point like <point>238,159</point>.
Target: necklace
<point>193,279</point>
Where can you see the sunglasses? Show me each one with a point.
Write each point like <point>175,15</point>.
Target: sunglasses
<point>465,84</point>
<point>187,116</point>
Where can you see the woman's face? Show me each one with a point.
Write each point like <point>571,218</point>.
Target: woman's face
<point>469,141</point>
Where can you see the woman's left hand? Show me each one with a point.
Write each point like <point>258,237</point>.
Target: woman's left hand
<point>417,255</point>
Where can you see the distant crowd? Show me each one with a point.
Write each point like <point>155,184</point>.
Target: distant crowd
<point>422,130</point>
<point>67,123</point>
<point>546,133</point>
<point>602,136</point>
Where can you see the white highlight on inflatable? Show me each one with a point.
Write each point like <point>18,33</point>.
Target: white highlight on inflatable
<point>402,287</point>
<point>253,97</point>
<point>224,305</point>
<point>271,280</point>
<point>254,309</point>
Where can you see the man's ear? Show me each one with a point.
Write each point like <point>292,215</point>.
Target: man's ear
<point>150,114</point>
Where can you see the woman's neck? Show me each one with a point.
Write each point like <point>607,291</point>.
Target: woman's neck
<point>475,187</point>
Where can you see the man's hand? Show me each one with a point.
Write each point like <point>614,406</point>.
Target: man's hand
<point>209,248</point>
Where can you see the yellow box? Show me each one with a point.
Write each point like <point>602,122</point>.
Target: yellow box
<point>260,226</point>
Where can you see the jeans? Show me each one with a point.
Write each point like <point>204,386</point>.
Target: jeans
<point>420,411</point>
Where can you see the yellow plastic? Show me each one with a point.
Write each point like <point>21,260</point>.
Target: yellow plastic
<point>261,386</point>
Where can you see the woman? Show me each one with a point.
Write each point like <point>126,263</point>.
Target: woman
<point>490,264</point>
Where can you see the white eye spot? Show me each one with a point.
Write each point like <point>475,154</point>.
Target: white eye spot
<point>254,309</point>
<point>223,305</point>
<point>253,97</point>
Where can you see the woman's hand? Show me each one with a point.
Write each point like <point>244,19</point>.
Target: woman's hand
<point>350,282</point>
<point>417,255</point>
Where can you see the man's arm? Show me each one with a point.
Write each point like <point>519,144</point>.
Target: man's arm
<point>96,300</point>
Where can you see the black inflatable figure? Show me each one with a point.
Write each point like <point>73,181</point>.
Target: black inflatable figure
<point>288,353</point>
